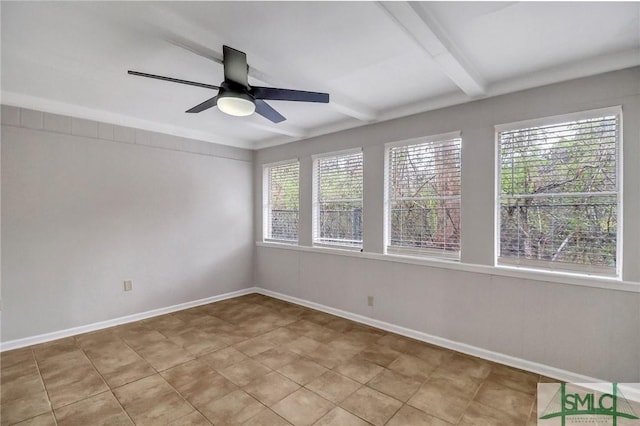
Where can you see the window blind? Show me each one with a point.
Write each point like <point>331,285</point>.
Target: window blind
<point>283,206</point>
<point>424,199</point>
<point>559,195</point>
<point>338,209</point>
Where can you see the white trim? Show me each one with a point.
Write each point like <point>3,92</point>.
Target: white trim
<point>315,203</point>
<point>498,196</point>
<point>266,201</point>
<point>47,337</point>
<point>620,196</point>
<point>281,163</point>
<point>560,118</point>
<point>342,152</point>
<point>388,147</point>
<point>607,283</point>
<point>520,363</point>
<point>442,137</point>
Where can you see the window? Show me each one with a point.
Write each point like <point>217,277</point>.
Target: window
<point>559,193</point>
<point>281,195</point>
<point>423,197</point>
<point>338,199</point>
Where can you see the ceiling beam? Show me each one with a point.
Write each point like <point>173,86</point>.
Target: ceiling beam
<point>168,24</point>
<point>424,28</point>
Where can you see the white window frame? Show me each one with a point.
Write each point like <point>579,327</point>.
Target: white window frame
<point>316,204</point>
<point>565,269</point>
<point>405,251</point>
<point>266,202</point>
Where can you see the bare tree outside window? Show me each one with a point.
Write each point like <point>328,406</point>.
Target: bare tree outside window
<point>559,195</point>
<point>424,198</point>
<point>339,199</point>
<point>283,196</point>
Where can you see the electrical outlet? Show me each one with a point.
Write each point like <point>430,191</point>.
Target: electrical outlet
<point>128,285</point>
<point>370,300</point>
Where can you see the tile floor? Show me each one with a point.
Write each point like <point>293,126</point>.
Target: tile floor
<point>255,360</point>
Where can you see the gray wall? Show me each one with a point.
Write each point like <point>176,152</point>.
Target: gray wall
<point>586,330</point>
<point>86,205</point>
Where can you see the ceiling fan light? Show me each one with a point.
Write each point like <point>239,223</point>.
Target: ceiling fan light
<point>237,105</point>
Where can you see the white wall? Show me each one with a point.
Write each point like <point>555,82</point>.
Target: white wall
<point>86,205</point>
<point>586,330</point>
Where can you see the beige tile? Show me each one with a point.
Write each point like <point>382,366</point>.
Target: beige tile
<point>359,370</point>
<point>266,417</point>
<point>163,354</point>
<point>371,405</point>
<point>101,409</point>
<point>193,419</point>
<point>197,382</point>
<point>339,325</point>
<point>255,346</point>
<point>340,417</point>
<point>498,396</point>
<point>16,356</point>
<point>459,379</point>
<point>23,398</point>
<point>442,398</point>
<point>513,378</point>
<point>281,336</point>
<point>138,336</point>
<point>410,366</point>
<point>70,377</point>
<point>118,363</point>
<point>245,372</point>
<point>223,358</point>
<point>303,326</point>
<point>379,354</point>
<point>345,345</point>
<point>478,414</point>
<point>408,415</point>
<point>395,385</point>
<point>330,358</point>
<point>198,342</point>
<point>46,419</point>
<point>366,336</point>
<point>467,366</point>
<point>28,367</point>
<point>233,408</point>
<point>55,348</point>
<point>152,401</point>
<point>98,339</point>
<point>276,357</point>
<point>397,343</point>
<point>303,346</point>
<point>302,371</point>
<point>271,388</point>
<point>429,353</point>
<point>321,334</point>
<point>302,407</point>
<point>333,386</point>
<point>165,324</point>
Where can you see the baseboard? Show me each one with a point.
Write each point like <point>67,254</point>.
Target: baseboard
<point>555,373</point>
<point>523,364</point>
<point>42,338</point>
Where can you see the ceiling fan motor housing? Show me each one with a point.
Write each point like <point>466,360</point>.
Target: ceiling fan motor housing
<point>234,99</point>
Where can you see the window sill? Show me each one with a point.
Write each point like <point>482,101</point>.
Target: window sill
<point>553,277</point>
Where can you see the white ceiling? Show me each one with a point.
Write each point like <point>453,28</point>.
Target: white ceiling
<point>377,60</point>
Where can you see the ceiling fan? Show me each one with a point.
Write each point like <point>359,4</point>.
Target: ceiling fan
<point>236,97</point>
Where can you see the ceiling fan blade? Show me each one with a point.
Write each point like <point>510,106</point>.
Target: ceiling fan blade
<point>209,103</point>
<point>265,110</point>
<point>235,66</point>
<point>174,80</point>
<point>276,94</point>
